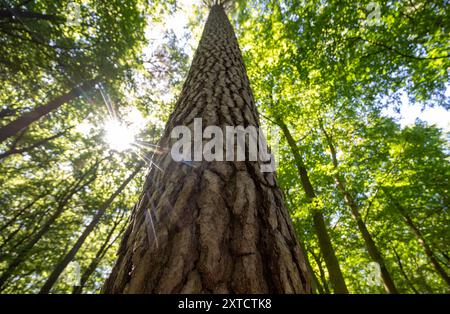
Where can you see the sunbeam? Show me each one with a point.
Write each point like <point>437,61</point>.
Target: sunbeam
<point>118,136</point>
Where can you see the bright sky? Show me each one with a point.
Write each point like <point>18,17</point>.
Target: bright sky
<point>177,22</point>
<point>410,112</point>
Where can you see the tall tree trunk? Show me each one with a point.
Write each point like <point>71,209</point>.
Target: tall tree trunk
<point>25,250</point>
<point>323,278</point>
<point>8,240</point>
<point>28,118</point>
<point>420,238</point>
<point>11,14</point>
<point>315,283</point>
<point>35,219</point>
<point>59,268</point>
<point>219,226</point>
<point>437,266</point>
<point>403,272</point>
<point>107,243</point>
<point>21,211</point>
<point>369,242</point>
<point>326,248</point>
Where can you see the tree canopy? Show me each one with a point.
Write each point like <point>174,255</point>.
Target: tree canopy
<point>92,84</point>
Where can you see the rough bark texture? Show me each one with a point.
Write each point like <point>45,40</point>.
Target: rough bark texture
<point>221,226</point>
<point>326,247</point>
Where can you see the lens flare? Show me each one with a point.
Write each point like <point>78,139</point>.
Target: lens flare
<point>118,136</point>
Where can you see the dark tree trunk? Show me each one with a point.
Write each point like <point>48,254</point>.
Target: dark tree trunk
<point>20,14</point>
<point>219,226</point>
<point>369,242</point>
<point>437,266</point>
<point>315,283</point>
<point>326,248</point>
<point>59,268</point>
<point>28,118</point>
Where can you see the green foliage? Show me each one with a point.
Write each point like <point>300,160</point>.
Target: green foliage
<point>43,58</point>
<point>315,62</point>
<point>317,66</point>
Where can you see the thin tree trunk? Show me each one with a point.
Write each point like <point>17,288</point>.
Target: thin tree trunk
<point>8,239</point>
<point>403,272</point>
<point>437,266</point>
<point>98,257</point>
<point>28,118</point>
<point>25,250</point>
<point>21,211</point>
<point>420,277</point>
<point>315,283</point>
<point>14,150</point>
<point>444,255</point>
<point>59,268</point>
<point>329,256</point>
<point>11,14</point>
<point>369,242</point>
<point>211,226</point>
<point>420,238</point>
<point>36,219</point>
<point>321,271</point>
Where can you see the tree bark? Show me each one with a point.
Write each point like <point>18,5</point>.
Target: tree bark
<point>371,247</point>
<point>59,268</point>
<point>28,118</point>
<point>25,250</point>
<point>326,248</point>
<point>211,226</point>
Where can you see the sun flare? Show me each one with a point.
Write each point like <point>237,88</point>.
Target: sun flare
<point>118,136</point>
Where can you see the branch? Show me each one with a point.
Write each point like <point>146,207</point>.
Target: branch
<point>384,45</point>
<point>14,151</point>
<point>12,14</point>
